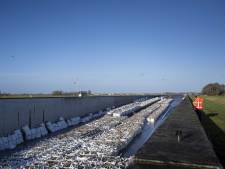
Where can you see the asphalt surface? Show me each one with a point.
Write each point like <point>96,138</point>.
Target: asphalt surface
<point>163,150</point>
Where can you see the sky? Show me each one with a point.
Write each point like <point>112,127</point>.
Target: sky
<point>111,45</point>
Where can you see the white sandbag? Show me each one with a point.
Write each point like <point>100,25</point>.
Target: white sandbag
<point>6,145</point>
<point>61,119</point>
<point>50,127</point>
<point>64,124</point>
<point>26,129</point>
<point>69,122</point>
<point>34,133</point>
<point>38,134</point>
<point>43,130</point>
<point>73,121</point>
<point>27,132</point>
<point>19,136</point>
<point>11,141</point>
<point>53,127</point>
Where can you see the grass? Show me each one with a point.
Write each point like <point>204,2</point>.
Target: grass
<point>213,121</point>
<point>215,105</point>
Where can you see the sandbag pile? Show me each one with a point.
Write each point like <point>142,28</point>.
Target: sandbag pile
<point>73,121</point>
<point>123,110</point>
<point>53,127</point>
<point>118,138</point>
<point>11,141</point>
<point>34,133</point>
<point>132,107</point>
<point>124,128</point>
<point>92,145</point>
<point>164,103</point>
<point>91,116</point>
<point>149,101</point>
<point>54,151</point>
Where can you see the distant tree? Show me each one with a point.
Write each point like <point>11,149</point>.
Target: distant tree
<point>57,92</point>
<point>4,94</point>
<point>223,88</point>
<point>213,89</point>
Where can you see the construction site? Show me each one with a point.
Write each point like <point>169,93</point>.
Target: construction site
<point>116,84</point>
<point>109,138</point>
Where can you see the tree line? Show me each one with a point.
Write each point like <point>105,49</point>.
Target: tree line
<point>54,93</point>
<point>62,93</point>
<point>214,89</point>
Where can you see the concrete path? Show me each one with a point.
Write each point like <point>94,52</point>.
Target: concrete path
<point>163,150</point>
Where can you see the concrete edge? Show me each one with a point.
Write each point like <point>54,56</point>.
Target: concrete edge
<point>174,163</point>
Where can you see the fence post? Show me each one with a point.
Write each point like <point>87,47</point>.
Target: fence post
<point>30,118</point>
<point>43,116</point>
<point>18,119</point>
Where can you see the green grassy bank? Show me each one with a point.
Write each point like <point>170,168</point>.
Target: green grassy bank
<point>213,121</point>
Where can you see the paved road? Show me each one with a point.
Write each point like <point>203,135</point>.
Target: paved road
<point>164,151</point>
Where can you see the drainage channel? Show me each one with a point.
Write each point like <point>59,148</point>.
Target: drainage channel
<point>148,130</point>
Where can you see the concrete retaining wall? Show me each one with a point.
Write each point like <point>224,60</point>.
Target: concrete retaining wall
<point>15,113</point>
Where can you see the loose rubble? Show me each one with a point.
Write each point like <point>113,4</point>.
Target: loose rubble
<point>132,107</point>
<point>96,144</point>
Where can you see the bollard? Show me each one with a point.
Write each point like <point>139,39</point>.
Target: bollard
<point>179,135</point>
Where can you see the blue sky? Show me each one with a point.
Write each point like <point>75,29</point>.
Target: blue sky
<point>111,46</point>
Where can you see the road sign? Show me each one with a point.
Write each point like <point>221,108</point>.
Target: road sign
<point>198,103</point>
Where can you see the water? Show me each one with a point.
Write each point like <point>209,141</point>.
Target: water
<point>149,129</point>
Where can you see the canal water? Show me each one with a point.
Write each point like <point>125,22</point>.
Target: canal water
<point>149,129</point>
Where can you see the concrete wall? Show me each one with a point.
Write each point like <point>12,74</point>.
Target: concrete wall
<point>15,113</point>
